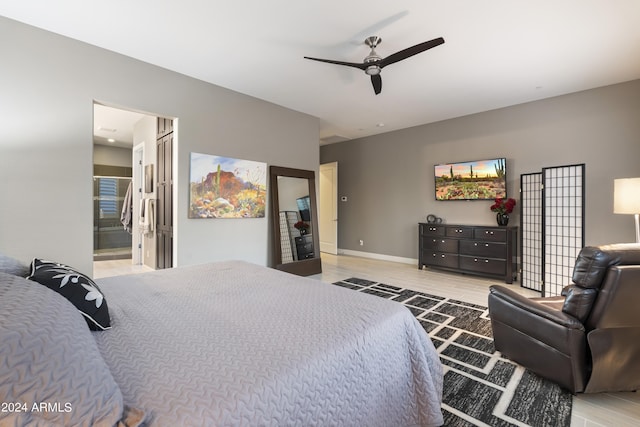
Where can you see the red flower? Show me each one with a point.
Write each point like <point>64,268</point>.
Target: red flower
<point>301,225</point>
<point>503,206</point>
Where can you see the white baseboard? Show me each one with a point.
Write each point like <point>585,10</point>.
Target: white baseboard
<point>381,257</point>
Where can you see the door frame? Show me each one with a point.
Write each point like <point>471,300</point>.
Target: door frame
<point>138,175</point>
<point>328,235</point>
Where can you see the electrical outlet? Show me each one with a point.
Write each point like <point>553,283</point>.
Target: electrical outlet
<point>361,242</point>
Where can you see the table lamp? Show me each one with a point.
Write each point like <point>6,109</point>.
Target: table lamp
<point>626,199</point>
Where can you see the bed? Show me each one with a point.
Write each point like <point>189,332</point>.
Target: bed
<point>224,344</point>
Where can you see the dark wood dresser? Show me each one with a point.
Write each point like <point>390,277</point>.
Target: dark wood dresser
<point>304,246</point>
<point>471,249</point>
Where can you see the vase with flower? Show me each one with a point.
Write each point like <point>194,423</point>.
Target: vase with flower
<point>302,227</point>
<point>503,207</point>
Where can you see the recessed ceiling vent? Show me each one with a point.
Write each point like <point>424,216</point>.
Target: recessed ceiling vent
<point>106,129</point>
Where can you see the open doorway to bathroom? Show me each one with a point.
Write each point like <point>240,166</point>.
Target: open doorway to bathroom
<point>115,131</point>
<point>133,165</point>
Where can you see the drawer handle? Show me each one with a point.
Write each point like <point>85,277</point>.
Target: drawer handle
<point>489,232</point>
<point>476,260</point>
<point>442,256</point>
<point>486,245</point>
<point>443,241</point>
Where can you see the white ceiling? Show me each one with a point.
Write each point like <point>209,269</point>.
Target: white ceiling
<point>497,53</point>
<point>113,126</point>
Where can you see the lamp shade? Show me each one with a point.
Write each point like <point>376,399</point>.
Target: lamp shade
<point>626,196</point>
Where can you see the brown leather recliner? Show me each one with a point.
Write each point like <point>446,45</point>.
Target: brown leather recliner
<point>588,339</point>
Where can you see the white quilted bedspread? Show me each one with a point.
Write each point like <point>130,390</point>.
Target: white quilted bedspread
<point>235,344</point>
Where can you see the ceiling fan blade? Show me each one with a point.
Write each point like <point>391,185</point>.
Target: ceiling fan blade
<point>376,81</point>
<point>348,64</point>
<point>410,51</point>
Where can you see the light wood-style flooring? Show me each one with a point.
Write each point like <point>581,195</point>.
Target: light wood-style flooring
<point>117,267</point>
<point>589,410</point>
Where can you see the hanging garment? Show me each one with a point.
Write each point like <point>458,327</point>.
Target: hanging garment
<point>142,215</point>
<point>147,219</point>
<point>126,216</point>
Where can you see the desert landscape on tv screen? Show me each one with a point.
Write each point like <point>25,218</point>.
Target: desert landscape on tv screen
<point>477,180</point>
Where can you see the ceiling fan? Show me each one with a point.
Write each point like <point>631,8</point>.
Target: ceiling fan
<point>374,63</point>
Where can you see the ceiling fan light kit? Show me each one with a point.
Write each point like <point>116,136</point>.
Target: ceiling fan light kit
<point>373,63</point>
<point>372,70</point>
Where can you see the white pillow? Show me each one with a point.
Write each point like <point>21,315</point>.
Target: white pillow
<point>13,266</point>
<point>51,370</point>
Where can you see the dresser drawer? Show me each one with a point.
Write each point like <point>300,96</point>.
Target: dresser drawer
<point>439,259</point>
<point>483,265</point>
<point>439,244</point>
<point>483,249</point>
<point>432,230</point>
<point>462,232</point>
<point>490,234</point>
<point>307,247</point>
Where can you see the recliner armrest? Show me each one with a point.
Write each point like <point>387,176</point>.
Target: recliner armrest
<point>535,308</point>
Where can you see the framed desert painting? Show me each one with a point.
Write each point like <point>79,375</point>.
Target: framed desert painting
<point>223,187</point>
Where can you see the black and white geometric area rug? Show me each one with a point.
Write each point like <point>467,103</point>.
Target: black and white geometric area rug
<point>480,387</point>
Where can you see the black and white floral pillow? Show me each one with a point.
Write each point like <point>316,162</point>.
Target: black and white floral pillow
<point>79,289</point>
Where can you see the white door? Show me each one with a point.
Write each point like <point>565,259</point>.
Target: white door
<point>328,210</point>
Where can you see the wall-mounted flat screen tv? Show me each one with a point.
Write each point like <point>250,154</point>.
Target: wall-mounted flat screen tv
<point>477,180</point>
<point>304,206</point>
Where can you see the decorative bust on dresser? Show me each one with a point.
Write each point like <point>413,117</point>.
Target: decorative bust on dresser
<point>471,249</point>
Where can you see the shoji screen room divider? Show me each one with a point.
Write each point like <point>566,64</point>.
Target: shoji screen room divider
<point>552,215</point>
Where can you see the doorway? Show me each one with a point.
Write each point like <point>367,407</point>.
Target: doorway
<point>328,208</point>
<point>118,163</point>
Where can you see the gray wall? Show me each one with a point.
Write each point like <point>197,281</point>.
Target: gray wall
<point>48,84</point>
<point>113,156</point>
<point>389,179</point>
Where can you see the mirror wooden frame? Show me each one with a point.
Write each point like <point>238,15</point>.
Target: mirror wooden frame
<point>304,267</point>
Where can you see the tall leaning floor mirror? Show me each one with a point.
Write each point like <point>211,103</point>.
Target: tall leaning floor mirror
<point>295,220</point>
